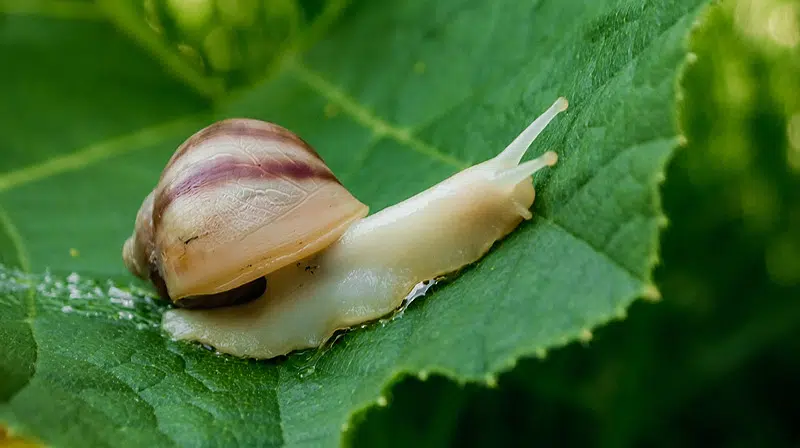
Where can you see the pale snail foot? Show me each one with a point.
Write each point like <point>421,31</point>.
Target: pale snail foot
<point>305,303</point>
<point>371,268</point>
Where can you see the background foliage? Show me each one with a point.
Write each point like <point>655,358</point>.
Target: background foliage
<point>713,362</point>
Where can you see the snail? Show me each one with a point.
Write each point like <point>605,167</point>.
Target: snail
<point>263,251</point>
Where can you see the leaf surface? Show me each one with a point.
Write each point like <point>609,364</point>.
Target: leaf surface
<point>396,98</point>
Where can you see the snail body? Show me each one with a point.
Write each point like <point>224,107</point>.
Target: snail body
<point>375,261</point>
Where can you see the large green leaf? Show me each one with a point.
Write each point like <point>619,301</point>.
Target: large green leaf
<point>395,98</point>
<point>713,363</point>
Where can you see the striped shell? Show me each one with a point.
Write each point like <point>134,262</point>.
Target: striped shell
<point>238,200</point>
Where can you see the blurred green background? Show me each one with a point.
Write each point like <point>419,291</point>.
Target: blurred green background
<point>715,362</point>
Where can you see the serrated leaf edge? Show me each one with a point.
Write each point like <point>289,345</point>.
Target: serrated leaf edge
<point>648,293</point>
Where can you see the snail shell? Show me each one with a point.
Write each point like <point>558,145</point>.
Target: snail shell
<point>239,199</point>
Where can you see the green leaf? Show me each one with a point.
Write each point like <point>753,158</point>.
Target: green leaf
<point>396,98</point>
<point>722,346</point>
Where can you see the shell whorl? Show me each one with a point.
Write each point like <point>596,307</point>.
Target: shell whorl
<point>239,199</point>
<point>257,150</point>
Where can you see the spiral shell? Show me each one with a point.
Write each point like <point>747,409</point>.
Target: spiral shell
<point>239,199</point>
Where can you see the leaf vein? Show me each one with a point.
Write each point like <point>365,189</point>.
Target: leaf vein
<point>365,117</point>
<point>16,240</point>
<point>24,263</point>
<point>361,159</point>
<point>606,163</point>
<point>93,153</point>
<point>594,248</point>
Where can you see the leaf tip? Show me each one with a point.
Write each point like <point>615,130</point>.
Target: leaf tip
<point>660,177</point>
<point>422,375</point>
<point>655,260</point>
<point>585,336</point>
<point>651,293</point>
